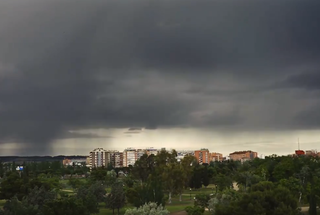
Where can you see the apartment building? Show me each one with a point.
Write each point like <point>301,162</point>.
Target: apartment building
<point>129,157</point>
<point>215,156</point>
<point>115,158</point>
<point>202,156</point>
<point>118,159</point>
<point>151,151</point>
<point>98,158</point>
<point>140,153</point>
<point>243,155</point>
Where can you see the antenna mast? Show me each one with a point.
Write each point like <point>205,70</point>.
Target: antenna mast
<point>298,144</point>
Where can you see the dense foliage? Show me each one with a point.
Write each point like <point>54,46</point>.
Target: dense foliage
<point>148,209</point>
<point>270,186</point>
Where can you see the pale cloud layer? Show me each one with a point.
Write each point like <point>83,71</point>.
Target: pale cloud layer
<point>192,74</point>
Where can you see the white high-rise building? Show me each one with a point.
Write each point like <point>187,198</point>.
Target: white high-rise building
<point>140,153</point>
<point>129,157</point>
<point>98,158</point>
<point>151,151</point>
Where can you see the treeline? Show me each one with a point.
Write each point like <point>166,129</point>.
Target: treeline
<point>274,185</point>
<point>54,168</point>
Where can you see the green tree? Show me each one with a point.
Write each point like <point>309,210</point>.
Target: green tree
<point>111,177</point>
<point>170,178</point>
<point>75,183</point>
<point>195,210</point>
<point>143,167</point>
<point>97,189</point>
<point>38,196</point>
<point>205,175</point>
<point>294,185</point>
<point>188,163</point>
<point>65,206</point>
<point>196,179</point>
<point>128,181</point>
<point>222,182</point>
<point>202,200</point>
<point>11,186</point>
<point>151,191</point>
<point>2,171</point>
<point>98,174</point>
<point>116,198</point>
<point>284,169</point>
<point>223,199</point>
<point>16,207</point>
<point>263,198</point>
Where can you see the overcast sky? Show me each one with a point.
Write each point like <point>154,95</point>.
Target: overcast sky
<point>225,74</point>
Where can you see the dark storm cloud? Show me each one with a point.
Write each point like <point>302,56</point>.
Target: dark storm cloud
<point>307,80</point>
<point>96,64</point>
<point>308,118</point>
<point>222,119</point>
<point>71,135</point>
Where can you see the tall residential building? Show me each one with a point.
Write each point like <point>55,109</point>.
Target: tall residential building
<point>118,159</point>
<point>140,153</point>
<point>151,151</point>
<point>202,156</point>
<point>98,158</point>
<point>243,155</point>
<point>216,156</point>
<point>129,157</point>
<point>115,158</point>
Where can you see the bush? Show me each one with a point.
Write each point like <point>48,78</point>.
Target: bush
<point>202,200</point>
<point>196,210</point>
<point>148,209</point>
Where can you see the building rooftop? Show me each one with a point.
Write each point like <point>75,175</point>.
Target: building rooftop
<point>240,152</point>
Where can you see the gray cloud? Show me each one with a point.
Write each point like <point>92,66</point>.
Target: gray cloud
<point>72,135</point>
<point>308,118</point>
<point>306,80</point>
<point>116,64</point>
<point>134,129</point>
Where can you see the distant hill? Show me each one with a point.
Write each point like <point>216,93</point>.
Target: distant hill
<point>21,159</point>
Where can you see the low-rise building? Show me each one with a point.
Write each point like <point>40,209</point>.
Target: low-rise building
<point>215,156</point>
<point>300,152</point>
<point>243,155</point>
<point>66,162</point>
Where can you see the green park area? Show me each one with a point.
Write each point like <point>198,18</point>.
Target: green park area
<point>175,206</point>
<point>160,185</point>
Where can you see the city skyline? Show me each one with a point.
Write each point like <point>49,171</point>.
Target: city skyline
<point>224,75</point>
<point>224,144</point>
